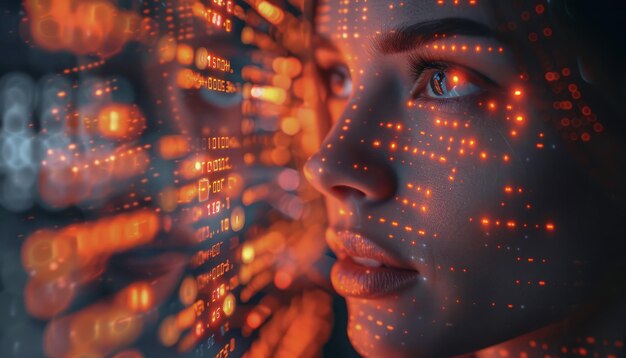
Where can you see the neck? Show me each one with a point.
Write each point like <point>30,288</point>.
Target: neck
<point>596,331</point>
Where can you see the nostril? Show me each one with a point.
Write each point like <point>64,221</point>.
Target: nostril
<point>343,192</point>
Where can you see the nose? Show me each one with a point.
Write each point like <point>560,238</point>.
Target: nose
<point>349,165</point>
<point>350,174</point>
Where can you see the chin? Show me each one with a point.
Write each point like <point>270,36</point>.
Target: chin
<point>409,325</point>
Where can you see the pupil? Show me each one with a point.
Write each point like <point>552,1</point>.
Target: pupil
<point>437,83</point>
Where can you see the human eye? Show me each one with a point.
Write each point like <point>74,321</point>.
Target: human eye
<point>446,85</point>
<point>338,81</point>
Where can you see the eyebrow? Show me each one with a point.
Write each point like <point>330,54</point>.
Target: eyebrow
<point>409,37</point>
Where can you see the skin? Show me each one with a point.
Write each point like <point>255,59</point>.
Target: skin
<point>512,240</point>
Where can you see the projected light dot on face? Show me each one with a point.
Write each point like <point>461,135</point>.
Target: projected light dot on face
<point>454,190</point>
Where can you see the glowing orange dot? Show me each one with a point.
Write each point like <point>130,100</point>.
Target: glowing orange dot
<point>549,226</point>
<point>517,93</point>
<point>282,279</point>
<point>254,320</point>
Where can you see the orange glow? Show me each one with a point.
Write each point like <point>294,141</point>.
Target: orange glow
<point>121,121</point>
<point>270,12</point>
<point>254,320</point>
<point>188,291</point>
<point>229,304</point>
<point>184,54</point>
<point>173,146</point>
<point>247,254</point>
<point>104,29</point>
<point>270,94</point>
<point>169,333</point>
<point>282,279</point>
<point>138,297</point>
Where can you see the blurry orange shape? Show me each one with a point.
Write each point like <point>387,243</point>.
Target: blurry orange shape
<point>229,304</point>
<point>173,146</point>
<point>270,12</point>
<point>289,66</point>
<point>138,297</point>
<point>281,81</point>
<point>166,48</point>
<point>271,94</point>
<point>123,327</point>
<point>93,22</point>
<point>254,320</point>
<point>184,54</point>
<point>168,200</point>
<point>290,125</point>
<point>48,255</point>
<point>168,331</point>
<point>247,253</point>
<point>189,192</point>
<point>199,329</point>
<point>186,317</point>
<point>237,218</point>
<point>84,352</point>
<point>46,299</point>
<point>87,328</point>
<point>188,342</point>
<point>247,35</point>
<point>245,274</point>
<point>188,291</point>
<point>282,279</point>
<point>201,59</point>
<point>234,184</point>
<point>88,27</point>
<point>130,353</point>
<point>186,79</point>
<point>129,162</point>
<point>121,122</point>
<point>280,156</point>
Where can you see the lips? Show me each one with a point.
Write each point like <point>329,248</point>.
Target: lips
<point>364,269</point>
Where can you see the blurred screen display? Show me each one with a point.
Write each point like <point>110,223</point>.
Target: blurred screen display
<point>151,199</point>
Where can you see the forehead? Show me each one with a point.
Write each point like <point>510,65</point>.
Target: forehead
<point>351,24</point>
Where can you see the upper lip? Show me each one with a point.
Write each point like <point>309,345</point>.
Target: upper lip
<point>354,244</point>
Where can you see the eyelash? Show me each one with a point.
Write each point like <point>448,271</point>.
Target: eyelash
<point>422,68</point>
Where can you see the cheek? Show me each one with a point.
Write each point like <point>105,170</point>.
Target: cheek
<point>490,200</point>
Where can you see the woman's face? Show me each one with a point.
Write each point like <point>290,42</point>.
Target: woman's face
<point>458,213</point>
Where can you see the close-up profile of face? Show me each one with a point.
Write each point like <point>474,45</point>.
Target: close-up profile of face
<point>462,204</point>
<point>312,178</point>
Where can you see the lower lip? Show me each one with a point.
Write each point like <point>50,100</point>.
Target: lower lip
<point>352,280</point>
